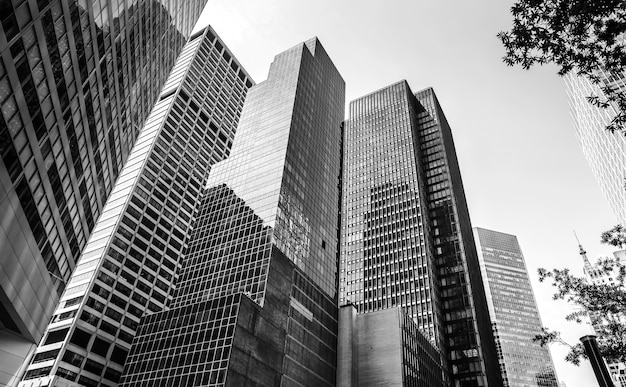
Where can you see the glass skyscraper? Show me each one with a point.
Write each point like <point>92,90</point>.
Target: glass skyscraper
<point>256,301</point>
<point>132,259</point>
<point>470,344</point>
<point>406,234</point>
<point>77,81</point>
<point>605,152</point>
<point>514,316</point>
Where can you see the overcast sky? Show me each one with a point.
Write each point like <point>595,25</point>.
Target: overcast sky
<point>522,167</point>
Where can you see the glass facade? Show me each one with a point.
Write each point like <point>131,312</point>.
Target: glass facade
<point>471,347</point>
<point>131,261</point>
<point>259,277</point>
<point>514,316</point>
<point>605,152</point>
<point>406,233</point>
<point>386,255</point>
<point>421,361</point>
<point>77,81</point>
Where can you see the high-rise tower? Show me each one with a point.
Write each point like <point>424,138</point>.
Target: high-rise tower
<point>132,259</point>
<point>514,316</point>
<point>406,233</point>
<point>256,302</point>
<point>605,152</point>
<point>77,81</point>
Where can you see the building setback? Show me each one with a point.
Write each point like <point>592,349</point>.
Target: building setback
<point>77,81</point>
<point>256,302</point>
<point>131,261</point>
<point>406,234</point>
<point>514,315</point>
<point>605,152</point>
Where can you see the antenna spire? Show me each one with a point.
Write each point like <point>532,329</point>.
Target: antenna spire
<point>587,265</point>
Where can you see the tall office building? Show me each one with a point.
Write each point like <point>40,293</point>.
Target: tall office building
<point>514,315</point>
<point>77,81</point>
<point>406,234</point>
<point>605,152</point>
<point>256,302</point>
<point>131,261</point>
<point>595,275</point>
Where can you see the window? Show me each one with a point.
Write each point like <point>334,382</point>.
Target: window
<point>93,367</point>
<point>100,347</point>
<point>119,355</point>
<point>56,336</point>
<point>36,373</point>
<point>73,358</point>
<point>45,356</point>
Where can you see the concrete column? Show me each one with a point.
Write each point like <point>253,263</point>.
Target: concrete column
<point>347,356</point>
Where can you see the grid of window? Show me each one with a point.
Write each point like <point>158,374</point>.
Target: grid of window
<point>269,207</point>
<point>290,132</point>
<point>77,81</point>
<point>186,346</point>
<point>513,309</point>
<point>605,152</point>
<point>421,361</point>
<point>131,261</point>
<point>229,251</point>
<point>515,317</point>
<point>386,258</point>
<point>406,234</point>
<point>214,342</point>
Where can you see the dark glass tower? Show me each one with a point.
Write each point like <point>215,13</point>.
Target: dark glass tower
<point>77,81</point>
<point>256,301</point>
<point>132,259</point>
<point>406,235</point>
<point>513,311</point>
<point>470,344</point>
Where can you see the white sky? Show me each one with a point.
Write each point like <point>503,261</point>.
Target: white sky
<point>522,167</point>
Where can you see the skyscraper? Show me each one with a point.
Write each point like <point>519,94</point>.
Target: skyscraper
<point>514,316</point>
<point>256,302</point>
<point>406,234</point>
<point>605,152</point>
<point>131,261</point>
<point>77,81</point>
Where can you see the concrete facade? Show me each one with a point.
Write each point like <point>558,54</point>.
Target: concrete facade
<point>385,348</point>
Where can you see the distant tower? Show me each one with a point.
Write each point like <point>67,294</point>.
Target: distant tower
<point>130,263</point>
<point>596,276</point>
<point>256,301</point>
<point>605,152</point>
<point>514,315</point>
<point>587,268</point>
